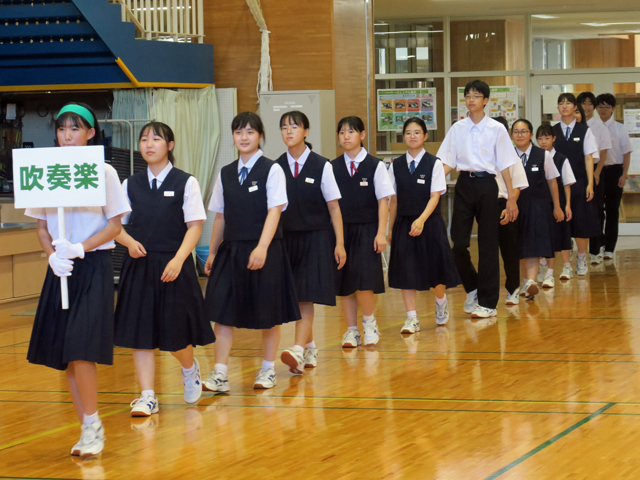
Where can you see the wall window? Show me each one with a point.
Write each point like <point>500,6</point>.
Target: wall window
<point>408,48</point>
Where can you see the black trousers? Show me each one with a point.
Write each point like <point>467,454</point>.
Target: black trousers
<point>598,197</point>
<point>475,197</point>
<point>508,240</point>
<point>612,198</point>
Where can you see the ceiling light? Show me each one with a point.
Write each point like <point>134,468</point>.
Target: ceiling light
<point>544,16</point>
<point>595,24</point>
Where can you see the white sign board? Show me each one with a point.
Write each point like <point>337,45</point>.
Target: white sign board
<point>59,177</point>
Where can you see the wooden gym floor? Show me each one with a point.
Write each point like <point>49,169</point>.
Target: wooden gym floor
<point>548,390</point>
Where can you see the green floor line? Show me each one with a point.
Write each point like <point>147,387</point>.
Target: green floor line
<point>549,442</point>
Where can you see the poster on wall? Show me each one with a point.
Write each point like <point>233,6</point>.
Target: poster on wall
<point>503,102</point>
<point>396,106</point>
<point>632,120</point>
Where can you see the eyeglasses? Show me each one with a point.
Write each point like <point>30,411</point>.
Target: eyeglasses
<point>564,103</point>
<point>284,128</point>
<point>474,97</point>
<point>521,133</point>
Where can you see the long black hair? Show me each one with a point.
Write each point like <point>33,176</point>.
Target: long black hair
<point>80,122</point>
<point>297,118</point>
<point>162,130</point>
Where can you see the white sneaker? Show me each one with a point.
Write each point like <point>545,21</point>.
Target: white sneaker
<point>549,282</point>
<point>581,267</point>
<point>531,288</point>
<point>411,325</point>
<point>351,339</point>
<point>595,259</point>
<point>370,332</point>
<point>310,357</point>
<point>75,450</point>
<point>608,255</point>
<point>92,439</point>
<point>265,379</point>
<point>513,298</point>
<point>294,360</point>
<point>523,290</point>
<point>145,406</point>
<point>567,273</point>
<point>192,384</point>
<point>216,382</point>
<point>442,312</point>
<point>471,302</point>
<point>484,312</point>
<point>542,272</point>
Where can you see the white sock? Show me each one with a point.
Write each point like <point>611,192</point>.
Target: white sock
<point>473,292</point>
<point>189,371</point>
<point>89,419</point>
<point>148,393</point>
<point>267,364</point>
<point>221,368</point>
<point>568,264</point>
<point>412,314</point>
<point>311,344</point>
<point>298,348</point>
<point>368,318</point>
<point>543,262</point>
<point>582,255</point>
<point>355,328</point>
<point>441,301</point>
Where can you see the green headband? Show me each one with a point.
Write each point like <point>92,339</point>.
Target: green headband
<point>79,110</point>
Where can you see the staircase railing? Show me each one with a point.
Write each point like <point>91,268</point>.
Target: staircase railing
<point>169,20</point>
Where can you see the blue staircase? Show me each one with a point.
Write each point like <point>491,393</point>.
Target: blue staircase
<point>83,44</point>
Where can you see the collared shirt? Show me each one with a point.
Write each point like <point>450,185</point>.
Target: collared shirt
<point>330,190</point>
<point>518,180</point>
<point>603,137</point>
<point>438,180</point>
<point>485,147</point>
<point>276,186</point>
<point>568,178</point>
<point>590,146</point>
<point>84,222</point>
<point>620,143</point>
<point>550,170</point>
<point>192,205</point>
<point>381,180</point>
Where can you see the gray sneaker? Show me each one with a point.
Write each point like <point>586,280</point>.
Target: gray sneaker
<point>442,312</point>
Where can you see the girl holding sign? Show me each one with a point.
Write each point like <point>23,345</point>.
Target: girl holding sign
<point>77,338</point>
<point>160,302</point>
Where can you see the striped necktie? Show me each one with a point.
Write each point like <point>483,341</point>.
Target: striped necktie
<point>524,159</point>
<point>242,176</point>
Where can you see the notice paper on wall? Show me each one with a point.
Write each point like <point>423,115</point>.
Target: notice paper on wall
<point>396,106</point>
<point>503,102</point>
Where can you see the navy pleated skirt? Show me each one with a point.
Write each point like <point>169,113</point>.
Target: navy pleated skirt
<point>562,237</point>
<point>536,228</point>
<point>422,262</point>
<point>585,222</point>
<point>363,269</point>
<point>256,299</point>
<point>155,314</point>
<point>311,255</point>
<point>84,331</point>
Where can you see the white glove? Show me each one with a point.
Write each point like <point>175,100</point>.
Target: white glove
<point>66,249</point>
<point>61,266</point>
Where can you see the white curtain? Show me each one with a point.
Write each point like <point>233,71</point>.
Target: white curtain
<point>193,116</point>
<point>129,105</point>
<point>265,81</point>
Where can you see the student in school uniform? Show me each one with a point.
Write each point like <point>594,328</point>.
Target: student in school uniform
<point>508,231</point>
<point>160,302</point>
<point>576,141</point>
<point>365,188</point>
<point>76,339</point>
<point>545,137</point>
<point>614,172</point>
<point>312,228</point>
<point>603,140</point>
<point>421,257</point>
<point>538,205</point>
<point>480,149</point>
<point>251,284</point>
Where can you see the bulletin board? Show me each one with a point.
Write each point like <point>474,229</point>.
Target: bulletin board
<point>396,106</point>
<point>503,102</point>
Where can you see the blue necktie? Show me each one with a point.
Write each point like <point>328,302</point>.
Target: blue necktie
<point>242,176</point>
<point>154,184</point>
<point>567,133</point>
<point>412,166</point>
<point>524,159</point>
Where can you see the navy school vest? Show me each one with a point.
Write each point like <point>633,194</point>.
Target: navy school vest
<point>538,186</point>
<point>573,148</point>
<point>358,203</point>
<point>414,190</point>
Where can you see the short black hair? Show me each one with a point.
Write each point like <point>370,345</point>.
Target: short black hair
<point>569,97</point>
<point>354,123</point>
<point>502,121</point>
<point>545,130</point>
<point>297,118</point>
<point>479,86</point>
<point>587,96</point>
<point>525,121</point>
<point>248,118</point>
<point>80,122</point>
<point>607,98</point>
<point>162,130</point>
<point>418,121</point>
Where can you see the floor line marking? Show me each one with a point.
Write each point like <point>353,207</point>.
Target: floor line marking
<point>551,441</point>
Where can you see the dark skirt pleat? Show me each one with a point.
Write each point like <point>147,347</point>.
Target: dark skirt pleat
<point>84,331</point>
<point>255,299</point>
<point>422,262</point>
<point>311,255</point>
<point>585,222</point>
<point>155,314</point>
<point>363,269</point>
<point>536,228</point>
<point>562,237</point>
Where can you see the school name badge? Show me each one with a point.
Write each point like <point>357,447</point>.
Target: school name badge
<point>364,182</point>
<point>254,186</point>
